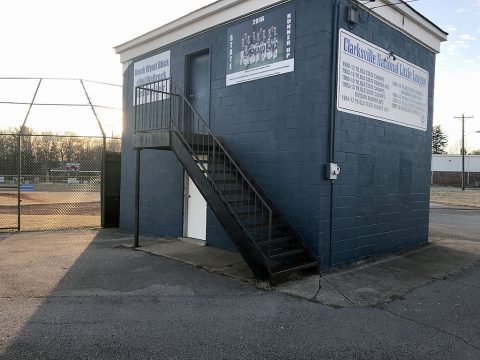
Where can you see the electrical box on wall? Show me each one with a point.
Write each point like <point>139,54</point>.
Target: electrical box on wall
<point>332,171</point>
<point>353,15</point>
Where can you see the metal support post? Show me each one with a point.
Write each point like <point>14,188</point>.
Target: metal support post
<point>102,184</point>
<point>19,149</point>
<point>19,173</point>
<point>137,198</point>
<point>102,174</point>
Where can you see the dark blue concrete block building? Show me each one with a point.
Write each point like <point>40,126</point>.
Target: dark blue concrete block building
<point>287,94</point>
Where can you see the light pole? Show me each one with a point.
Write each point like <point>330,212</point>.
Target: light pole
<point>463,117</point>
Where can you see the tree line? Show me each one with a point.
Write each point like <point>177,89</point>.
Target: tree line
<point>41,152</point>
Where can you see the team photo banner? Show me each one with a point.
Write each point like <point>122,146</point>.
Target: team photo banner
<point>261,46</point>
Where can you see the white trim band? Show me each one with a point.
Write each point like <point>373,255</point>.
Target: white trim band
<point>400,16</point>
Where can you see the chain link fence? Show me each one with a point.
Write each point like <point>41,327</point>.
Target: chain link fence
<point>8,182</point>
<point>50,180</point>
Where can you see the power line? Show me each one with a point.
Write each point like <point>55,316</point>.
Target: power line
<point>58,104</point>
<point>100,82</point>
<point>59,78</point>
<point>61,136</point>
<point>397,3</point>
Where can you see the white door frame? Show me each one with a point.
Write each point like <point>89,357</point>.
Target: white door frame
<point>187,184</point>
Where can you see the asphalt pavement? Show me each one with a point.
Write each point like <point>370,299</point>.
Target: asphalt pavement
<point>79,295</point>
<point>454,222</point>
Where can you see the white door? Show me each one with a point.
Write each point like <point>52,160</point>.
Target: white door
<point>196,213</point>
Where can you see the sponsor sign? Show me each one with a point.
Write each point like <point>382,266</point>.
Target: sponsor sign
<point>72,166</point>
<point>150,70</point>
<point>27,187</point>
<point>376,83</point>
<point>261,46</point>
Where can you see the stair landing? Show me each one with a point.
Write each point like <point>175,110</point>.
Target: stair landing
<point>153,139</point>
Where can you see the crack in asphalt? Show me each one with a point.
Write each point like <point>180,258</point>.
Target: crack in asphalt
<point>465,341</point>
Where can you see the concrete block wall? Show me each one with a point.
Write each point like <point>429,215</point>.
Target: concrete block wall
<point>278,128</point>
<point>381,199</point>
<point>275,127</point>
<point>161,185</point>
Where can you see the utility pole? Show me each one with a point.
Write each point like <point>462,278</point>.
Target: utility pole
<point>463,117</point>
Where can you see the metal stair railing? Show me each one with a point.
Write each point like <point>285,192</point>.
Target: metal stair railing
<point>153,104</point>
<point>161,105</point>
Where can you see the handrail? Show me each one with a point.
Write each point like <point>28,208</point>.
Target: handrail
<point>237,168</point>
<point>170,91</point>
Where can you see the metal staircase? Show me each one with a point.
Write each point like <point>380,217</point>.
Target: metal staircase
<point>269,244</point>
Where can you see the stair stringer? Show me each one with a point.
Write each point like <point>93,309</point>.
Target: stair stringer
<point>247,248</point>
<point>292,230</point>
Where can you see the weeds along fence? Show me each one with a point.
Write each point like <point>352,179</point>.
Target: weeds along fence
<point>50,182</point>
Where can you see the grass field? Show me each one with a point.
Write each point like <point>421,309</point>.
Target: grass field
<point>455,196</point>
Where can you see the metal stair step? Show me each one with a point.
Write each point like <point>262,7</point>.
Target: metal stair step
<point>237,200</point>
<point>224,175</point>
<point>221,172</point>
<point>226,187</point>
<point>209,161</point>
<point>233,191</point>
<point>284,253</point>
<point>264,225</point>
<point>286,268</point>
<point>258,234</point>
<point>201,147</point>
<point>207,145</point>
<point>252,224</point>
<point>256,220</point>
<point>244,210</point>
<point>242,207</point>
<point>227,181</point>
<point>275,240</point>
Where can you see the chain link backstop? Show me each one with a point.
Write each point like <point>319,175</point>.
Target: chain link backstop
<point>49,180</point>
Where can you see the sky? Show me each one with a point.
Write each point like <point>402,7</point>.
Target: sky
<point>457,68</point>
<point>72,39</point>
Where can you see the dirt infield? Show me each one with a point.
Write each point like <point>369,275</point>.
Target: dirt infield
<point>49,197</point>
<point>49,210</point>
<point>50,222</point>
<point>84,208</point>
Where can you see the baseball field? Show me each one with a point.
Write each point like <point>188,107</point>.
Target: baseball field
<point>51,206</point>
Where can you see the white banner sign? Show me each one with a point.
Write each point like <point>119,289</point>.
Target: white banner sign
<point>376,83</point>
<point>261,46</point>
<point>149,70</point>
